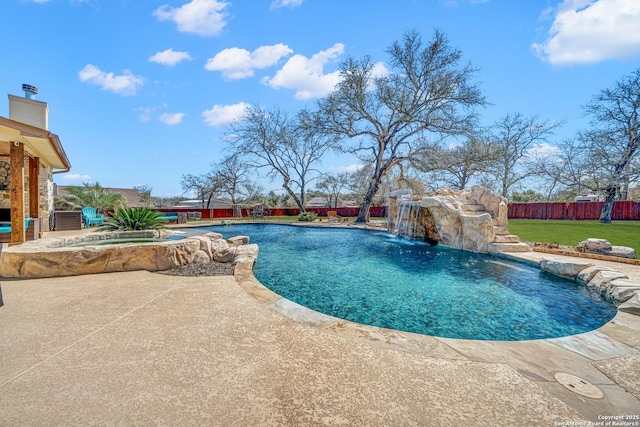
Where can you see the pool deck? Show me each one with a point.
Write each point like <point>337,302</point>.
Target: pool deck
<point>142,348</point>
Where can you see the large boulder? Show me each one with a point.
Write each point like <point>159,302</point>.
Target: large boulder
<point>588,273</point>
<point>477,232</point>
<point>602,279</point>
<point>620,290</point>
<point>622,252</point>
<point>565,268</point>
<point>632,305</point>
<point>593,245</point>
<point>603,247</point>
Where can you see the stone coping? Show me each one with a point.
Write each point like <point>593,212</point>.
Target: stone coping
<point>597,361</point>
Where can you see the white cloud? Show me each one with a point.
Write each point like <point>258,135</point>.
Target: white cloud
<point>171,118</point>
<point>220,115</point>
<point>76,177</point>
<point>542,151</point>
<point>170,57</point>
<point>237,63</point>
<point>202,17</point>
<point>125,84</point>
<point>275,4</point>
<point>306,75</point>
<point>589,31</point>
<point>354,167</point>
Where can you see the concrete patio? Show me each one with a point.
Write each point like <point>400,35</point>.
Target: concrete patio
<point>142,348</point>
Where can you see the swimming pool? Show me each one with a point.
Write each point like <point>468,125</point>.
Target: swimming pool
<point>378,279</point>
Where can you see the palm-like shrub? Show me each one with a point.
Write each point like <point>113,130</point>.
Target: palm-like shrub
<point>129,219</point>
<point>90,195</point>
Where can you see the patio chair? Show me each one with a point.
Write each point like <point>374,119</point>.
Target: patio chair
<point>258,212</point>
<point>90,216</point>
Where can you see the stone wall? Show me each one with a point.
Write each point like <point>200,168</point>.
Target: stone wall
<point>53,257</point>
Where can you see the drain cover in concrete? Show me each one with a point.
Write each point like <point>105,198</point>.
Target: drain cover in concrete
<point>578,385</point>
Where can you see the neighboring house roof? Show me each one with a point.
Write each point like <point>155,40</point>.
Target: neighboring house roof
<point>131,194</point>
<point>322,202</point>
<point>317,202</point>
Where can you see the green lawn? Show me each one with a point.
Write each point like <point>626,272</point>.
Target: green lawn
<point>568,232</point>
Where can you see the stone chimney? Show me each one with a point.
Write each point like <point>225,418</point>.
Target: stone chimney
<point>27,110</point>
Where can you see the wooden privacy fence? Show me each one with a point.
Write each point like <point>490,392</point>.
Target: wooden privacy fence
<point>375,211</point>
<point>623,210</point>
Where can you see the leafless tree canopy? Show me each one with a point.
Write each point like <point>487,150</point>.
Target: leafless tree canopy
<point>204,186</point>
<point>290,148</point>
<point>511,137</point>
<point>232,178</point>
<point>458,163</point>
<point>386,118</point>
<point>614,134</point>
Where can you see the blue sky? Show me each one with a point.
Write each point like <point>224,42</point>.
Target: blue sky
<point>140,91</point>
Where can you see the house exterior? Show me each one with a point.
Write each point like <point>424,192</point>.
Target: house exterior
<point>29,157</point>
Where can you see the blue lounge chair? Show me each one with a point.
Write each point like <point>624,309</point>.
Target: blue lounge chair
<point>5,227</point>
<point>90,216</point>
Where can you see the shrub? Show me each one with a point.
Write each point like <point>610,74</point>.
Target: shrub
<point>307,216</point>
<point>129,219</point>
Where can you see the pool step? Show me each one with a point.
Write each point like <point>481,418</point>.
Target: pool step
<point>497,230</point>
<point>497,248</point>
<point>506,238</point>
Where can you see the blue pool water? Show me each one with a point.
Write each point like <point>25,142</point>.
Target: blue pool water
<point>381,280</point>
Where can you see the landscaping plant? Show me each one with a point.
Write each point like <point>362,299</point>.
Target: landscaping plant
<point>129,219</point>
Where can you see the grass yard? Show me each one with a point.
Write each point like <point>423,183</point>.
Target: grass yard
<point>568,232</point>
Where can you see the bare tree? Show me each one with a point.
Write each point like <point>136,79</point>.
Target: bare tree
<point>232,177</point>
<point>204,185</point>
<point>567,170</point>
<point>459,163</point>
<point>614,134</point>
<point>145,195</point>
<point>388,117</point>
<point>512,136</point>
<point>332,186</point>
<point>289,147</point>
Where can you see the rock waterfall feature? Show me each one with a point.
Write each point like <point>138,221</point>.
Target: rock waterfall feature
<point>473,219</point>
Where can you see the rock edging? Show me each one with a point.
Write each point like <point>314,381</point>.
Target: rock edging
<point>586,255</point>
<point>54,257</point>
<point>613,285</point>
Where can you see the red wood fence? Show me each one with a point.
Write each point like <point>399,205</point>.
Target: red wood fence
<point>623,210</point>
<point>375,211</point>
